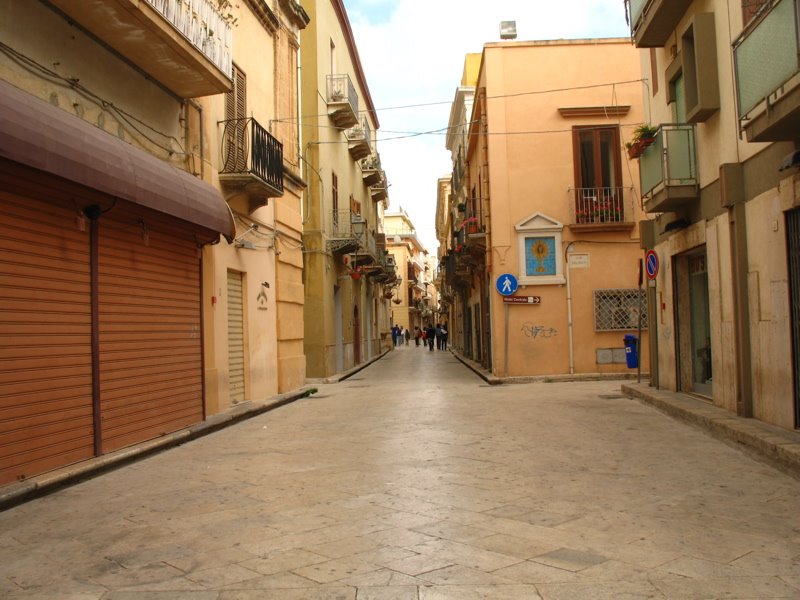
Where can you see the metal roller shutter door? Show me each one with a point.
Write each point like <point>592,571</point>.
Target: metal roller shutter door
<point>45,338</point>
<point>235,337</point>
<point>149,315</point>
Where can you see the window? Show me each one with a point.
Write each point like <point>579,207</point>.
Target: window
<point>653,72</point>
<point>598,175</point>
<point>692,75</point>
<point>699,50</point>
<point>618,310</point>
<point>335,200</point>
<point>236,126</point>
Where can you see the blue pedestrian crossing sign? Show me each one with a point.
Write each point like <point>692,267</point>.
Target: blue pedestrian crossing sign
<point>507,284</point>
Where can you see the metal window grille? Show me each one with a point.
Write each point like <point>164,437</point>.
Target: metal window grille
<point>618,310</point>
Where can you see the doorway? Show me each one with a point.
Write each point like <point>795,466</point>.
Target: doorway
<point>793,251</point>
<point>693,320</point>
<point>356,337</point>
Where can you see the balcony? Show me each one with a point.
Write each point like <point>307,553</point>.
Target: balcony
<point>600,209</point>
<point>668,169</point>
<point>252,161</point>
<point>342,101</point>
<point>380,190</point>
<point>768,74</point>
<point>359,139</point>
<point>371,169</point>
<point>653,21</point>
<point>185,46</point>
<point>345,230</point>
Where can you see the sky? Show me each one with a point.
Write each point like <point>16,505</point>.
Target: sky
<point>413,53</point>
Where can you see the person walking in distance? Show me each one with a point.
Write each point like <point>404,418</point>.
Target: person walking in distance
<point>430,334</point>
<point>444,336</point>
<point>407,335</point>
<point>417,334</point>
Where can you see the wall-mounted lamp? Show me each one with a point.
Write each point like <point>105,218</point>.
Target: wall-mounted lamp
<point>358,225</point>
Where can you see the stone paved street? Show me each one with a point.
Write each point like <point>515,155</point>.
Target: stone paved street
<point>415,480</point>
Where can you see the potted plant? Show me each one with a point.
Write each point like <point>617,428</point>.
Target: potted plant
<point>470,225</point>
<point>356,273</point>
<point>643,136</point>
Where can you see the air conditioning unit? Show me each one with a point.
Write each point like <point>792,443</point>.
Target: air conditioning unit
<point>508,30</point>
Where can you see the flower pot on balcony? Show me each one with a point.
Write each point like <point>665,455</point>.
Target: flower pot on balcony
<point>635,149</point>
<point>355,275</point>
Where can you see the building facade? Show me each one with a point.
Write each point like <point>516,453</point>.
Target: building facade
<point>253,307</point>
<point>719,185</point>
<point>347,273</point>
<point>413,298</point>
<point>545,196</point>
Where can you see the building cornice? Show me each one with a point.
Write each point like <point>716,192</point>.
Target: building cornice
<point>295,13</point>
<point>268,19</point>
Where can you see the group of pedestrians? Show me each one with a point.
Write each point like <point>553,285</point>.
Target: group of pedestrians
<point>425,336</point>
<point>400,335</point>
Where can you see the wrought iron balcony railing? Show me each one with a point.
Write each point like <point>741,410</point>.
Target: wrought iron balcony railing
<point>359,139</point>
<point>599,205</point>
<point>183,44</point>
<point>250,151</point>
<point>202,24</point>
<point>342,100</point>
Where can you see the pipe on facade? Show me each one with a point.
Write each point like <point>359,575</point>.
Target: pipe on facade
<point>741,303</point>
<point>569,311</point>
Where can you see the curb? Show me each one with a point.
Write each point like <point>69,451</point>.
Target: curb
<point>39,485</point>
<point>780,448</point>
<point>350,372</point>
<point>495,380</point>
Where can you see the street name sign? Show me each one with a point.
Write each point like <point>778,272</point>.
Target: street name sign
<point>522,299</point>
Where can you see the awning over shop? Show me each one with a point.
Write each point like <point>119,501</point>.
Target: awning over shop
<point>36,134</point>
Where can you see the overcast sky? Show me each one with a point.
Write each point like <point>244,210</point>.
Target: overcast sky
<point>413,54</point>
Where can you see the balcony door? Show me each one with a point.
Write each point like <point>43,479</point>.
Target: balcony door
<point>598,174</point>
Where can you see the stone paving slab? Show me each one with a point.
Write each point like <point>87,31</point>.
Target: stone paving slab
<point>414,480</point>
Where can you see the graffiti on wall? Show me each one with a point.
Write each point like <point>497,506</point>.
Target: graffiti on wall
<point>538,331</point>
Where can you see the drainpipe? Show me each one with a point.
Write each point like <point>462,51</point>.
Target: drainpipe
<point>569,310</point>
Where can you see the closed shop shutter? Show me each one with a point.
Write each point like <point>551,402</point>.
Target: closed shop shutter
<point>235,337</point>
<point>149,319</point>
<point>45,338</point>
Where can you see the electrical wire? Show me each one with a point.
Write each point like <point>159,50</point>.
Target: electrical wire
<point>132,121</point>
<point>499,96</point>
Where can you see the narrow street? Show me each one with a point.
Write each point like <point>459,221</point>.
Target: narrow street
<point>414,479</point>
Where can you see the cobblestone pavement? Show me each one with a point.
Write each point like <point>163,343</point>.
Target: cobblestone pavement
<point>415,480</point>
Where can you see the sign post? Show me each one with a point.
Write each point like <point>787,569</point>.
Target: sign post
<point>651,266</point>
<point>506,285</point>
